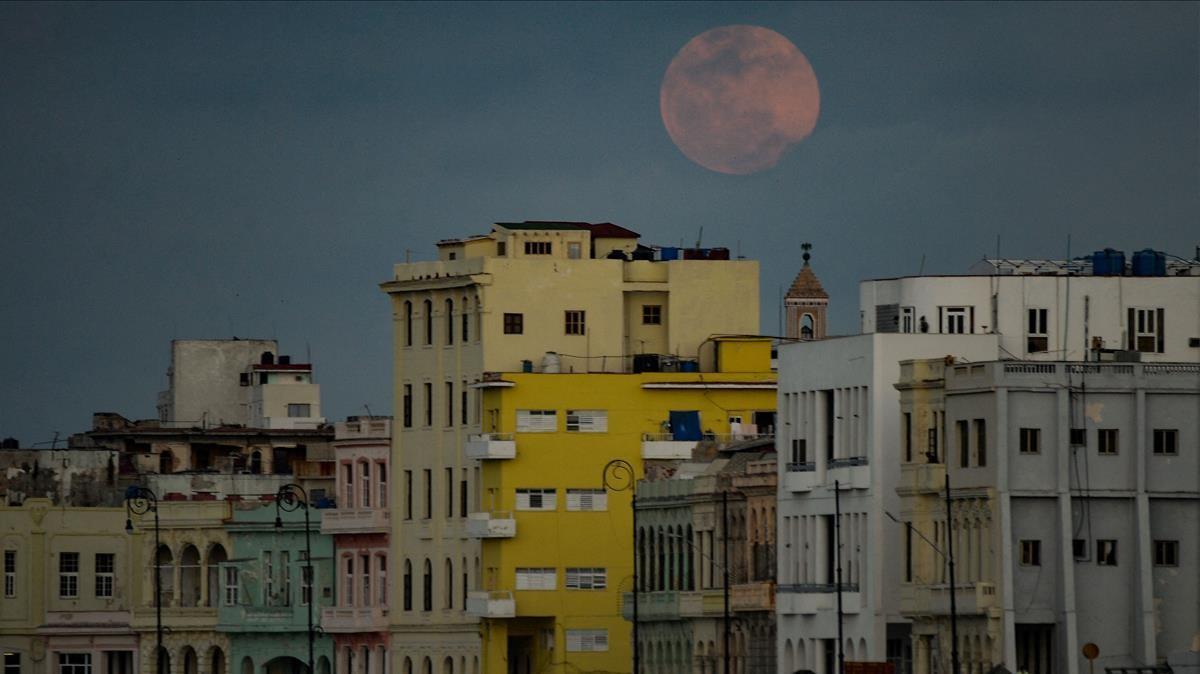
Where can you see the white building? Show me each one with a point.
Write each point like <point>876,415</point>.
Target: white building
<point>1047,310</point>
<point>237,382</point>
<point>839,421</point>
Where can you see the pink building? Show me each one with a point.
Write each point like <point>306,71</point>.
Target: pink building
<point>358,621</point>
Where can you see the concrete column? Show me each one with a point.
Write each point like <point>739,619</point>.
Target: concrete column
<point>1145,644</point>
<point>1005,557</point>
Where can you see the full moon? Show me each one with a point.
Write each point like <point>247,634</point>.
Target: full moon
<point>736,98</point>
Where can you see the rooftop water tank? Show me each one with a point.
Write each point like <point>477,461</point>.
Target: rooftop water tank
<point>1148,262</point>
<point>550,363</point>
<point>1108,262</point>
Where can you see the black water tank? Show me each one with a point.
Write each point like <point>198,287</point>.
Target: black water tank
<point>646,362</point>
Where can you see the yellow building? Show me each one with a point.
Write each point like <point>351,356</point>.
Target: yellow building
<point>532,296</point>
<point>557,546</point>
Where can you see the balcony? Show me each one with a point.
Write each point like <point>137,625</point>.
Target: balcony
<point>811,598</point>
<point>656,605</point>
<point>800,476</point>
<point>851,471</point>
<point>664,446</point>
<point>495,604</point>
<point>922,478</point>
<point>491,446</point>
<point>355,521</point>
<point>934,598</point>
<point>354,619</point>
<point>491,525</point>
<point>753,597</point>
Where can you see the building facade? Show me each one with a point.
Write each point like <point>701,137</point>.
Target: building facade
<point>566,294</point>
<point>360,527</point>
<point>1068,478</point>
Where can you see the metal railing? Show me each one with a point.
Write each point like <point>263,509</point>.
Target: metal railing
<point>491,437</point>
<point>801,466</point>
<point>815,588</point>
<point>848,461</point>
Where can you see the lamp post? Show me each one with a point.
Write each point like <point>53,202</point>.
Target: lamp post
<point>948,555</point>
<point>141,500</point>
<point>619,475</point>
<point>724,567</point>
<point>292,497</point>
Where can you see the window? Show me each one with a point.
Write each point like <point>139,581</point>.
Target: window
<point>449,492</point>
<point>449,404</point>
<point>800,450</point>
<point>1106,440</point>
<point>964,444</point>
<point>537,248</point>
<point>285,578</point>
<point>1166,553</point>
<point>908,432</point>
<point>408,405</point>
<point>306,581</point>
<point>428,322</point>
<point>1031,553</point>
<point>1166,441</point>
<point>348,580</point>
<point>74,663</point>
<point>462,405</point>
<point>408,585</point>
<point>348,484</point>
<point>68,575</point>
<point>428,512</point>
<point>514,324</point>
<point>408,495</point>
<point>957,320</point>
<point>1036,337</point>
<point>466,323</point>
<point>427,587</point>
<point>908,552</point>
<point>12,663</point>
<point>1078,437</point>
<point>105,563</point>
<point>408,316</point>
<point>268,579</point>
<point>231,586</point>
<point>574,250</point>
<point>10,573</point>
<point>537,421</point>
<point>1145,330</point>
<point>382,579</point>
<point>586,500</point>
<point>537,579</point>
<point>587,640</point>
<point>1079,549</point>
<point>651,314</point>
<point>587,579</point>
<point>383,493</point>
<point>931,451</point>
<point>1106,552</point>
<point>364,568</point>
<point>536,499</point>
<point>906,319</point>
<point>449,322</point>
<point>462,494</point>
<point>1031,440</point>
<point>501,249</point>
<point>428,404</point>
<point>981,442</point>
<point>366,485</point>
<point>587,421</point>
<point>574,322</point>
<point>299,410</point>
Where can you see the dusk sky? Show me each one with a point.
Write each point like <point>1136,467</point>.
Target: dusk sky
<point>210,170</point>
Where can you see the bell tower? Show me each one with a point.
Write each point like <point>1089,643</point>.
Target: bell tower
<point>806,303</point>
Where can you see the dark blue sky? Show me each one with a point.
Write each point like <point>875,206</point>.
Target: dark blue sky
<point>209,170</point>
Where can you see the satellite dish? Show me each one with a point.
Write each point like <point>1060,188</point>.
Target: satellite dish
<point>1091,651</point>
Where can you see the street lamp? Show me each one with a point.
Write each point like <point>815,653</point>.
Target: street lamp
<point>141,500</point>
<point>948,555</point>
<point>292,497</point>
<point>619,475</point>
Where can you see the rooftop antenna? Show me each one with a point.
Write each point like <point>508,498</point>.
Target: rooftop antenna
<point>806,247</point>
<point>307,353</point>
<point>700,236</point>
<point>997,246</point>
<point>368,409</point>
<point>921,271</point>
<point>407,255</point>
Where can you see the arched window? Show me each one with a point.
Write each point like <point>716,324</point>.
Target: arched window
<point>189,580</point>
<point>429,321</point>
<point>348,580</point>
<point>448,665</point>
<point>408,585</point>
<point>364,563</point>
<point>381,469</point>
<point>247,665</point>
<point>807,326</point>
<point>466,320</point>
<point>216,661</point>
<point>216,556</point>
<point>448,600</point>
<point>427,587</point>
<point>449,321</point>
<point>256,462</point>
<point>381,565</point>
<point>166,461</point>
<point>348,484</point>
<point>408,666</point>
<point>427,666</point>
<point>408,316</point>
<point>166,566</point>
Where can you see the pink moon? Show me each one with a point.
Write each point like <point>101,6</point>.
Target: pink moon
<point>735,99</point>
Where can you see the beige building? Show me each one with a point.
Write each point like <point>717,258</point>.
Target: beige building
<point>532,296</point>
<point>69,590</point>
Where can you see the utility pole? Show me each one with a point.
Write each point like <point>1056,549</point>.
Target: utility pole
<point>950,561</point>
<point>837,551</point>
<point>725,554</point>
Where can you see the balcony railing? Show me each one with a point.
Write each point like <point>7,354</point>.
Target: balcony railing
<point>491,446</point>
<point>811,598</point>
<point>355,520</point>
<point>816,588</point>
<point>494,604</point>
<point>848,462</point>
<point>802,466</point>
<point>665,446</point>
<point>491,525</point>
<point>354,619</point>
<point>753,597</point>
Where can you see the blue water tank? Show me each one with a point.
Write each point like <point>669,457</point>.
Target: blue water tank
<point>1149,262</point>
<point>527,366</point>
<point>666,253</point>
<point>1108,262</point>
<point>689,366</point>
